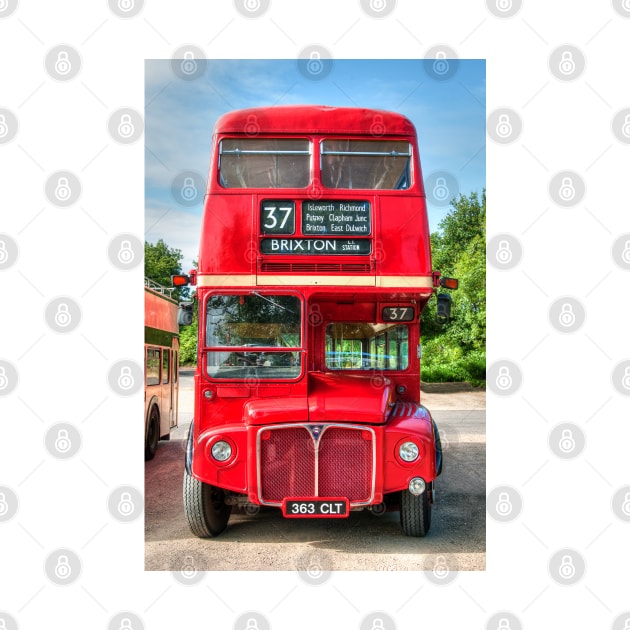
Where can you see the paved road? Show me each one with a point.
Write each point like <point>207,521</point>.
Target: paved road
<point>267,541</point>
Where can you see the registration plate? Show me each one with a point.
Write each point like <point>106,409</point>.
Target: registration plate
<point>316,508</point>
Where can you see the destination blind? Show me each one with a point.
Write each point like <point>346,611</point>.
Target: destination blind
<point>337,218</point>
<point>317,246</point>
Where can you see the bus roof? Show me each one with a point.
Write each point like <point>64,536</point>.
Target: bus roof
<point>314,119</point>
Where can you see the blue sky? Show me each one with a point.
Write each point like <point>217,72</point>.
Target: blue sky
<point>449,115</point>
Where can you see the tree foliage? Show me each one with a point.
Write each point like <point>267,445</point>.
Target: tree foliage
<point>459,251</point>
<point>160,263</point>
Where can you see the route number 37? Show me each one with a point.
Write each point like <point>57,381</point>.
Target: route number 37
<point>277,217</point>
<point>398,314</point>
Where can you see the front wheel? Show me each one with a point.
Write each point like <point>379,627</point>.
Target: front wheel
<point>206,511</point>
<point>415,513</point>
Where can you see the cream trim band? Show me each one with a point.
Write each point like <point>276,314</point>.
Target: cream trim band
<point>405,282</point>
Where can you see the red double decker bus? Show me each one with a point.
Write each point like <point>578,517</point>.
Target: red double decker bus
<point>314,267</point>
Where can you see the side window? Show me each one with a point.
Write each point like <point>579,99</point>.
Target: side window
<point>175,365</point>
<point>166,372</point>
<point>153,362</point>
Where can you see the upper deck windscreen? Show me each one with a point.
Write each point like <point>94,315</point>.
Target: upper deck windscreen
<point>264,163</point>
<point>366,164</point>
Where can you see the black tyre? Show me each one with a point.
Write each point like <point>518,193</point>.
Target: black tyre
<point>153,434</point>
<point>415,513</point>
<point>206,511</point>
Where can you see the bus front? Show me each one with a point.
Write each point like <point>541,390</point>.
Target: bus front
<point>314,267</point>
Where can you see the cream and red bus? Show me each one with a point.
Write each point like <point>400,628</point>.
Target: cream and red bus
<point>314,267</point>
<point>161,361</point>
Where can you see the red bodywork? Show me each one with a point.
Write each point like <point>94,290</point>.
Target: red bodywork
<point>330,433</point>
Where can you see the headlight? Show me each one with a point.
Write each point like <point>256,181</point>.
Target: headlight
<point>221,451</point>
<point>408,451</point>
<point>417,486</point>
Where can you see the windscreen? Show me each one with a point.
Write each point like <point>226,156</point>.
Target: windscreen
<point>264,163</point>
<point>366,164</point>
<point>253,336</point>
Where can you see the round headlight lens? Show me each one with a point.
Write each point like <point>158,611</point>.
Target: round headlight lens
<point>221,451</point>
<point>417,486</point>
<point>408,451</point>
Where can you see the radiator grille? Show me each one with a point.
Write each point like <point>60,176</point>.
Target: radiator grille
<point>289,459</point>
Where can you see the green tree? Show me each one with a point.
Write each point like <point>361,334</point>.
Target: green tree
<point>160,263</point>
<point>456,350</point>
